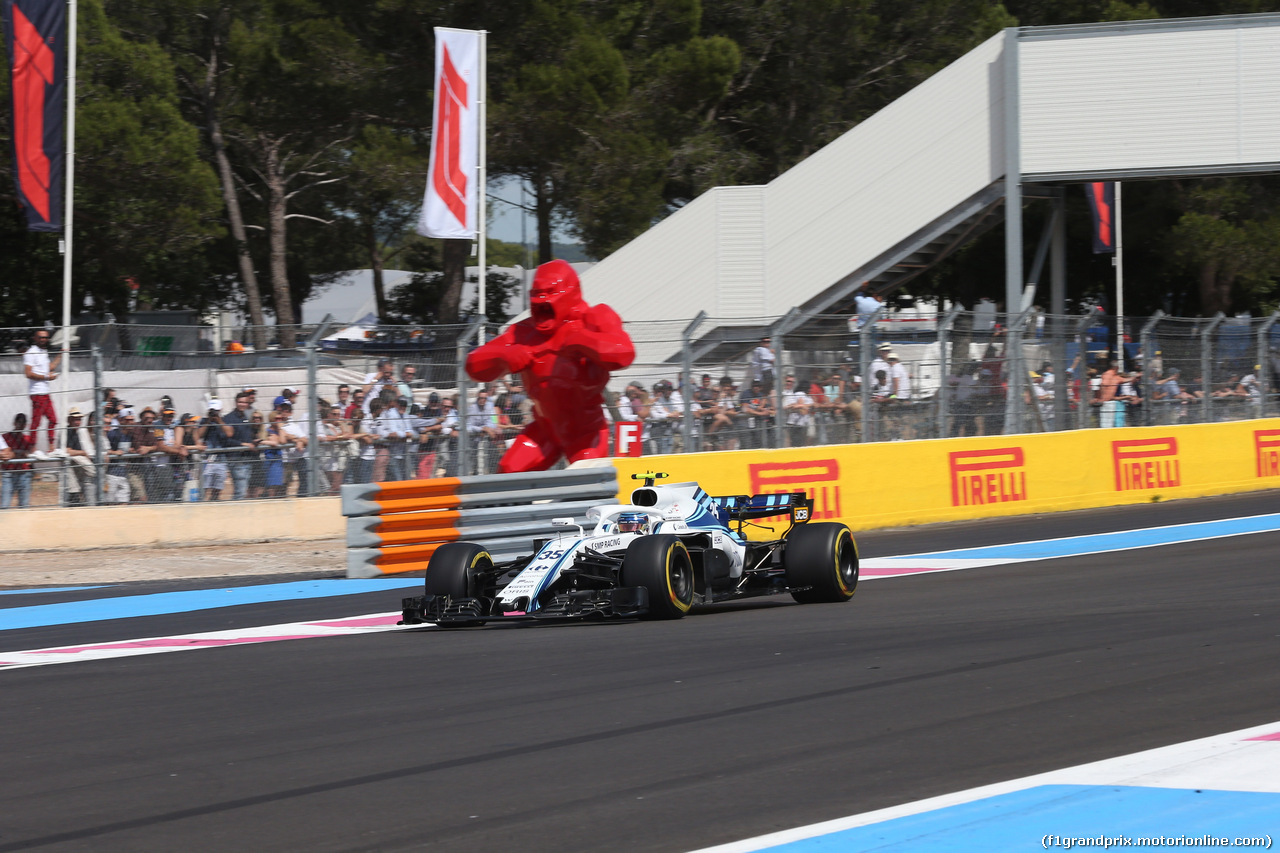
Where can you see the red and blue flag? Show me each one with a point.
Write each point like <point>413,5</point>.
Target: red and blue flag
<point>35,34</point>
<point>1102,204</point>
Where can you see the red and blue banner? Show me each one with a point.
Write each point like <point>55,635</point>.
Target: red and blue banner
<point>1102,204</point>
<point>35,34</point>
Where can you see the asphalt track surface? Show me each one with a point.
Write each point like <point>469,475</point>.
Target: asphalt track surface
<point>731,723</point>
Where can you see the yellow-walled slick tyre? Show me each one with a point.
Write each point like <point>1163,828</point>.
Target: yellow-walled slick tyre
<point>452,571</point>
<point>821,561</point>
<point>661,564</point>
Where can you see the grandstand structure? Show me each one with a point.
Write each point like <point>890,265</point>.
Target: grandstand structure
<point>1023,115</point>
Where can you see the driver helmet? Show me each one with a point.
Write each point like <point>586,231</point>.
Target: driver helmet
<point>633,522</point>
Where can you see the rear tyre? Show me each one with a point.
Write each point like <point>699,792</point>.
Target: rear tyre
<point>661,564</point>
<point>453,568</point>
<point>821,561</point>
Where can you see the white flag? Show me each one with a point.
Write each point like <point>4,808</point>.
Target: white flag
<point>449,209</point>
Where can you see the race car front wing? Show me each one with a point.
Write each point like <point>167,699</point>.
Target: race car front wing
<point>617,603</point>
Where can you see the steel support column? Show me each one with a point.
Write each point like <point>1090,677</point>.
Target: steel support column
<point>1012,178</point>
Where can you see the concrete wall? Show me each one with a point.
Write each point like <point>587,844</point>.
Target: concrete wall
<point>84,528</point>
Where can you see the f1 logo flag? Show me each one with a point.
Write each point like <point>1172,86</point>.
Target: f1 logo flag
<point>449,209</point>
<point>36,37</point>
<point>1102,204</point>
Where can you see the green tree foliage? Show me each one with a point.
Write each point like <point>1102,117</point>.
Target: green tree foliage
<point>812,69</point>
<point>1228,241</point>
<point>560,78</point>
<point>223,141</point>
<point>145,202</point>
<point>384,172</point>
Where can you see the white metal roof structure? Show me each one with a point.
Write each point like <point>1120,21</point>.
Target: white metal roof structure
<point>1048,105</point>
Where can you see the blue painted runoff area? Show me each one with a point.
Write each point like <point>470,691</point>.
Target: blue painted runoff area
<point>164,603</point>
<point>50,589</point>
<point>1050,816</point>
<point>1119,540</point>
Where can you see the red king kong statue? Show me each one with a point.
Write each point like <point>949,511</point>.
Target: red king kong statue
<point>564,352</point>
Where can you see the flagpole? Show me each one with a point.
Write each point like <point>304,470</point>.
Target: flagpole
<point>70,170</point>
<point>482,217</point>
<point>1119,262</point>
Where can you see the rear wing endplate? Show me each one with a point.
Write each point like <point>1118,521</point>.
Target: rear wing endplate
<point>798,505</point>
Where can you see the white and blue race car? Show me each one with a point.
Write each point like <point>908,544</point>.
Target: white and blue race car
<point>673,547</point>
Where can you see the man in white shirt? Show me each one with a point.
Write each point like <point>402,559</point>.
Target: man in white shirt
<point>879,362</point>
<point>482,427</point>
<point>397,429</point>
<point>295,458</point>
<point>1043,397</point>
<point>1046,373</point>
<point>40,372</point>
<point>450,427</point>
<point>5,453</point>
<point>799,408</point>
<point>899,378</point>
<point>666,414</point>
<point>374,382</point>
<point>762,359</point>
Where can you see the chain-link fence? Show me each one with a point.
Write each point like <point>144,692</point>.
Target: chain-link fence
<point>158,414</point>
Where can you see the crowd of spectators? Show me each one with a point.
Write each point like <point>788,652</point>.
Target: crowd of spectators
<point>240,449</point>
<point>1104,394</point>
<point>823,409</point>
<point>390,427</point>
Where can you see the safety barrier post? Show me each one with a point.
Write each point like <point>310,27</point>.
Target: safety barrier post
<point>1060,334</point>
<point>785,324</point>
<point>311,345</point>
<point>869,424</point>
<point>1083,404</point>
<point>1264,363</point>
<point>1206,367</point>
<point>944,368</point>
<point>686,357</point>
<point>1148,354</point>
<point>99,431</point>
<point>1015,364</point>
<point>463,410</point>
<point>313,458</point>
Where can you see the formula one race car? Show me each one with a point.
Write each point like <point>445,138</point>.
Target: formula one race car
<point>672,547</point>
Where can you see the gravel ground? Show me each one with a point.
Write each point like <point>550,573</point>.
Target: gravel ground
<point>117,565</point>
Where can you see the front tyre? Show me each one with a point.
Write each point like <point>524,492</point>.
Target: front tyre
<point>453,568</point>
<point>821,561</point>
<point>661,564</point>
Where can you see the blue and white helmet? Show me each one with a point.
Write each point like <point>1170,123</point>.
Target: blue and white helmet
<point>633,522</point>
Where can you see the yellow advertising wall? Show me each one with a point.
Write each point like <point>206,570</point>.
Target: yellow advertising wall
<point>916,482</point>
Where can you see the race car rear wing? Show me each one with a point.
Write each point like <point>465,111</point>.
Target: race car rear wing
<point>746,507</point>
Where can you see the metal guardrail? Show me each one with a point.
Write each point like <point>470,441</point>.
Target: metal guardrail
<point>395,527</point>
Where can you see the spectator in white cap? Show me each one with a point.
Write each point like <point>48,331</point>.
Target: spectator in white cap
<point>214,435</point>
<point>119,443</point>
<point>79,450</point>
<point>879,362</point>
